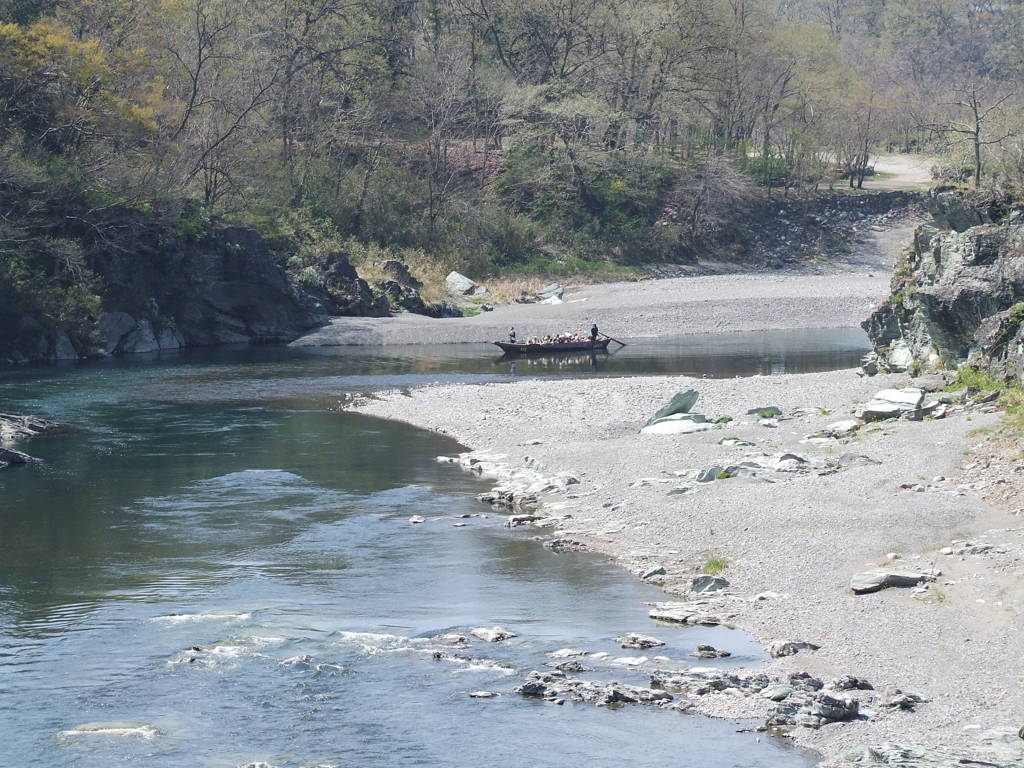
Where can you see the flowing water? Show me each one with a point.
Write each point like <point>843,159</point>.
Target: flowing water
<point>217,501</point>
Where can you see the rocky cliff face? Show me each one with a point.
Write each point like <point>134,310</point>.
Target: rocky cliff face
<point>224,288</point>
<point>957,292</point>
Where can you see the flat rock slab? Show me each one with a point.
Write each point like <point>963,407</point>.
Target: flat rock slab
<point>893,403</point>
<point>882,578</point>
<point>707,583</point>
<point>676,427</point>
<point>684,613</point>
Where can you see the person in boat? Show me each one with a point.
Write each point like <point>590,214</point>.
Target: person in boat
<point>593,333</point>
<point>512,335</point>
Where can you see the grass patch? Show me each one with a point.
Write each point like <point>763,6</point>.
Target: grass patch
<point>723,475</point>
<point>967,376</point>
<point>715,565</point>
<point>1011,397</point>
<point>469,311</point>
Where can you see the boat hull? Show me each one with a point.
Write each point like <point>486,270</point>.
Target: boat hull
<point>540,349</point>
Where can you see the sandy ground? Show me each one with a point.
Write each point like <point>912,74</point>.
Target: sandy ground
<point>901,172</point>
<point>840,297</point>
<point>959,644</point>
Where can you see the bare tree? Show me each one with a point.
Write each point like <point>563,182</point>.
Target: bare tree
<point>976,108</point>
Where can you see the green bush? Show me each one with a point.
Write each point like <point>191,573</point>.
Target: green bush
<point>768,171</point>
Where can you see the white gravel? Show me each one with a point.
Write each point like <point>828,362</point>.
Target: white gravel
<point>959,644</point>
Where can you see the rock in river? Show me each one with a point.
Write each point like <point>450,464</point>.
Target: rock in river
<point>704,651</point>
<point>492,635</point>
<point>8,456</point>
<point>551,685</point>
<point>638,641</point>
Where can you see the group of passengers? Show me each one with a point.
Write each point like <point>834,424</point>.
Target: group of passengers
<point>558,338</point>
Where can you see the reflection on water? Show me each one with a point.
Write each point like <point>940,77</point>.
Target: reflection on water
<point>206,503</point>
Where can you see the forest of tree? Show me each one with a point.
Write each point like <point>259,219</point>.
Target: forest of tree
<point>484,135</point>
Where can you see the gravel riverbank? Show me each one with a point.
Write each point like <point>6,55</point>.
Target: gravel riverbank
<point>688,305</point>
<point>895,495</point>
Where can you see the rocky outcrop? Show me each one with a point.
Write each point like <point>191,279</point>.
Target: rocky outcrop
<point>224,288</point>
<point>401,292</point>
<point>333,287</point>
<point>167,293</point>
<point>957,293</point>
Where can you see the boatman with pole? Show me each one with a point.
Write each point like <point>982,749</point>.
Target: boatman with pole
<point>593,333</point>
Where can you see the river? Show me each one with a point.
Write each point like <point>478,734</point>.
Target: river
<point>221,500</point>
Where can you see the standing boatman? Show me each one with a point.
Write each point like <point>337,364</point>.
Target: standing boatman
<point>593,333</point>
<point>512,335</point>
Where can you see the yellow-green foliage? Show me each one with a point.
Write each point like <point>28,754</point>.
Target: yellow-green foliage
<point>76,85</point>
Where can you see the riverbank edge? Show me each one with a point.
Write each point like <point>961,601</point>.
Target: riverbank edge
<point>831,750</point>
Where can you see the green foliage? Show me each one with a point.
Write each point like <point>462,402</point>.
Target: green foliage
<point>723,475</point>
<point>469,311</point>
<point>610,206</point>
<point>715,565</point>
<point>193,224</point>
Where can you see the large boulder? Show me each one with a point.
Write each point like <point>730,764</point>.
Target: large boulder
<point>681,402</point>
<point>63,349</point>
<point>554,290</point>
<point>460,285</point>
<point>113,327</point>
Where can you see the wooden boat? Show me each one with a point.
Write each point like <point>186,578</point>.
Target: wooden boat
<point>601,345</point>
